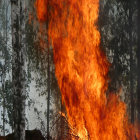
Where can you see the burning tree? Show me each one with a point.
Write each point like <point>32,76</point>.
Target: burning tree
<point>70,55</point>
<point>81,69</point>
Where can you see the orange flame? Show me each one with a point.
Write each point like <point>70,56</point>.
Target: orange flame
<point>42,10</point>
<point>81,70</point>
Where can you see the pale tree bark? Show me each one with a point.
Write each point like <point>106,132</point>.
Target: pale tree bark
<point>18,67</point>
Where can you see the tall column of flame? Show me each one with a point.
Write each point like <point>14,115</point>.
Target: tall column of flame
<point>81,69</point>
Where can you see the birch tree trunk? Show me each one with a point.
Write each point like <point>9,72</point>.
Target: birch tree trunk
<point>18,67</point>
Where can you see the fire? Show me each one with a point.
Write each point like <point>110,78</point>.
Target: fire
<point>81,69</point>
<point>42,9</point>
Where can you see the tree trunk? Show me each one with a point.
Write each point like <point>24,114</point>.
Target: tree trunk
<point>138,56</point>
<point>48,101</point>
<point>48,73</point>
<point>131,63</point>
<point>3,96</point>
<point>4,69</point>
<point>18,67</point>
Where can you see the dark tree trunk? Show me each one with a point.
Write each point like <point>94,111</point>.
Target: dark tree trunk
<point>48,73</point>
<point>4,70</point>
<point>138,55</point>
<point>18,67</point>
<point>132,105</point>
<point>3,96</point>
<point>48,101</point>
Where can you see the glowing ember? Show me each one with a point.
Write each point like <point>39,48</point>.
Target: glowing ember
<point>81,70</point>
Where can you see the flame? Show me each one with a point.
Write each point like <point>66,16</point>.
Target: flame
<point>42,10</point>
<point>81,69</point>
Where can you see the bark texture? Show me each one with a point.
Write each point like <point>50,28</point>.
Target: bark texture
<point>138,54</point>
<point>131,62</point>
<point>18,67</point>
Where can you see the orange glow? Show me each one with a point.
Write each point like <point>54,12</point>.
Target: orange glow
<point>81,69</point>
<point>41,9</point>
